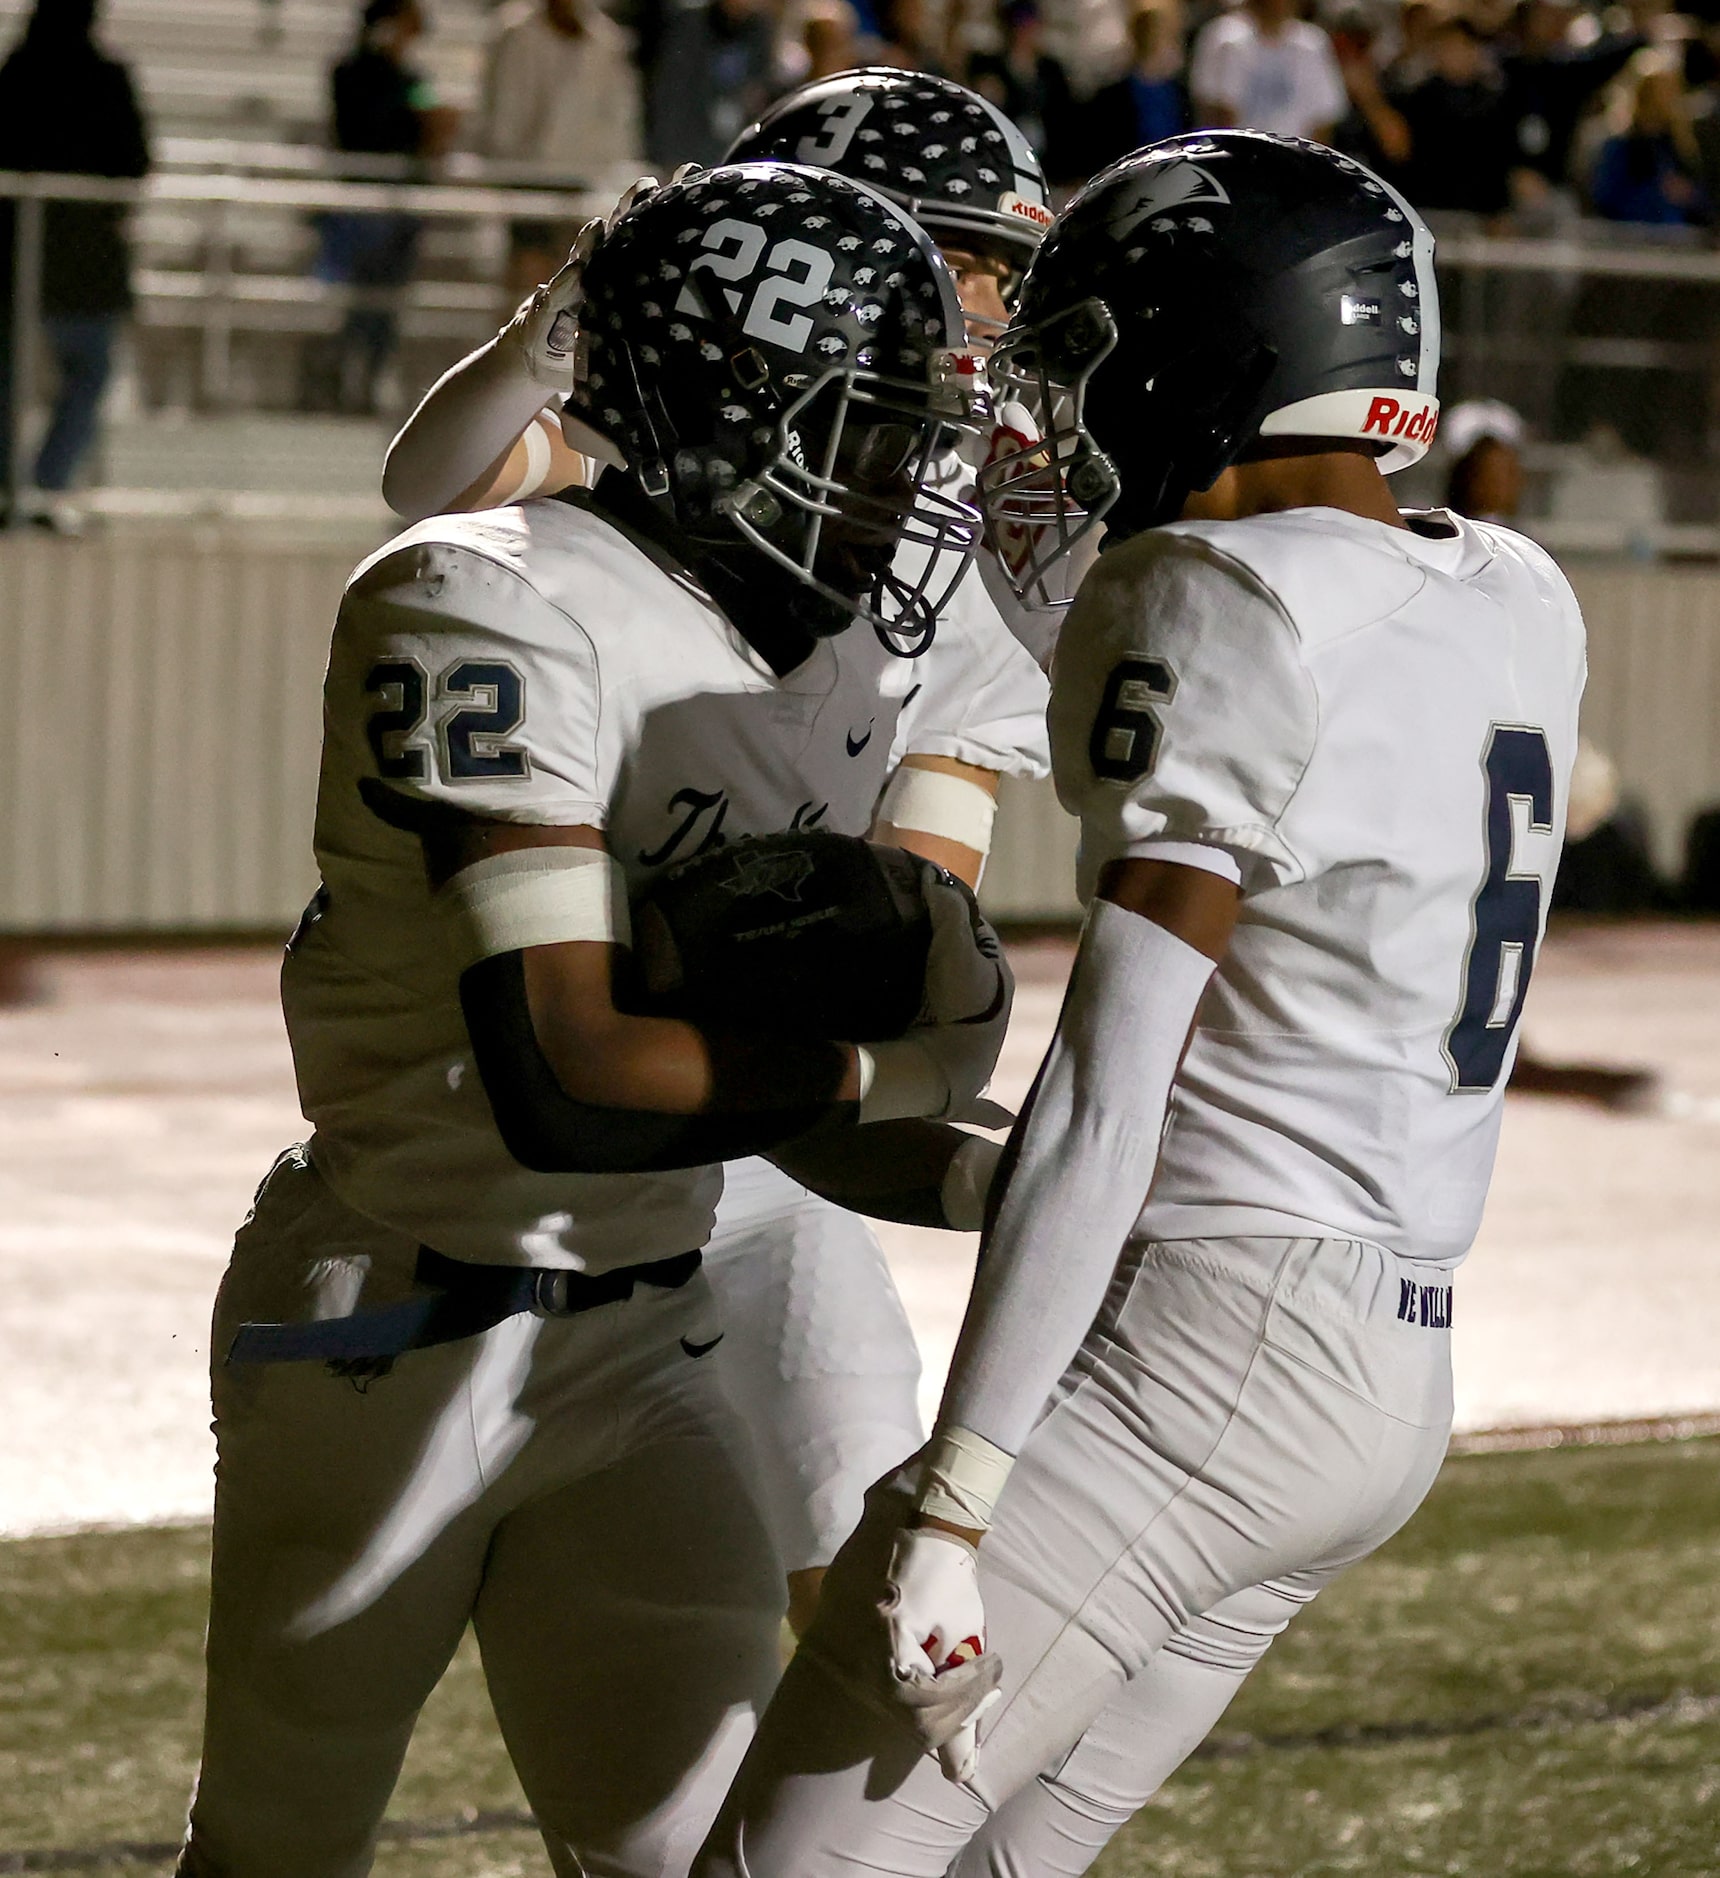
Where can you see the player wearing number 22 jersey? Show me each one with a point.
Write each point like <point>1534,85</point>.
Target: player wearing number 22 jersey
<point>1320,752</point>
<point>462,1358</point>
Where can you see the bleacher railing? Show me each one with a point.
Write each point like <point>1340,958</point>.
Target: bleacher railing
<point>1509,299</point>
<point>216,295</point>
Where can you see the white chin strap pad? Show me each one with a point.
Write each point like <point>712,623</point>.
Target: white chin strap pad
<point>535,897</point>
<point>930,802</point>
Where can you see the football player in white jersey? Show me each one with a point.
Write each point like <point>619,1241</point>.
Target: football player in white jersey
<point>817,1351</point>
<point>492,1237</point>
<point>1321,752</point>
<point>492,430</point>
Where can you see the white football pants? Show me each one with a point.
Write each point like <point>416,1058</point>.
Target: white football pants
<point>1246,1418</point>
<point>817,1356</point>
<point>569,1486</point>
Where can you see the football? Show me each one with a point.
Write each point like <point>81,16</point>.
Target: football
<point>803,934</point>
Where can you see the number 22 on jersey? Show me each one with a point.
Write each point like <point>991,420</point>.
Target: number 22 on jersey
<point>1505,922</point>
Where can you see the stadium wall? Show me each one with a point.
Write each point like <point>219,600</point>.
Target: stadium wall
<point>160,717</point>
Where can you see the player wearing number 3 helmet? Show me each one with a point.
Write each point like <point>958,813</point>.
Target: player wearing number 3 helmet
<point>1321,752</point>
<point>461,1357</point>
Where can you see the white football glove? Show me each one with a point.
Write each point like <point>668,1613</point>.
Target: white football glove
<point>941,1067</point>
<point>945,1680</point>
<point>543,332</point>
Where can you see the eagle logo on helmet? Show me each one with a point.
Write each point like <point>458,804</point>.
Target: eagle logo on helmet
<point>1167,188</point>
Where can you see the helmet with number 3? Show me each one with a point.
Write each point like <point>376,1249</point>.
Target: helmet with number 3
<point>953,161</point>
<point>777,352</point>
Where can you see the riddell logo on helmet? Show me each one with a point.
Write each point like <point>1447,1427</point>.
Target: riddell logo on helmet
<point>1392,417</point>
<point>1034,212</point>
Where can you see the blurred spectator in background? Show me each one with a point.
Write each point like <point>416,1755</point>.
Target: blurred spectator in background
<point>1262,68</point>
<point>560,90</point>
<point>904,34</point>
<point>66,107</point>
<point>1150,100</point>
<point>710,67</point>
<point>1031,89</point>
<point>1549,85</point>
<point>1460,129</point>
<point>1648,172</point>
<point>382,106</point>
<point>1372,129</point>
<point>1417,22</point>
<point>1484,438</point>
<point>829,42</point>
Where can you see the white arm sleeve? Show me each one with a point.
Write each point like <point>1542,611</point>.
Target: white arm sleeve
<point>465,421</point>
<point>1085,1153</point>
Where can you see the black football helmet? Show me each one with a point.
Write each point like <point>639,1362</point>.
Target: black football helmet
<point>953,161</point>
<point>1197,301</point>
<point>778,353</point>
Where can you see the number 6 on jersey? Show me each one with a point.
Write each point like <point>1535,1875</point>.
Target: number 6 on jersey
<point>1507,915</point>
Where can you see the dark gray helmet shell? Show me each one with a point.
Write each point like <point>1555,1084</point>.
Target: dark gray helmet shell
<point>1240,286</point>
<point>742,328</point>
<point>950,157</point>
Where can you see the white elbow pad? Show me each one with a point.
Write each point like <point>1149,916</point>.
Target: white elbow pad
<point>535,437</point>
<point>931,802</point>
<point>535,897</point>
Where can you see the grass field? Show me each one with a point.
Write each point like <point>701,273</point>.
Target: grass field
<point>1525,1684</point>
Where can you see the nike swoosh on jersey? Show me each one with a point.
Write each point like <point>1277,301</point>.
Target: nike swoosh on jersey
<point>702,1349</point>
<point>854,748</point>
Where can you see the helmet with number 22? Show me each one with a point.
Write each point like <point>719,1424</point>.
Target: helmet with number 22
<point>778,353</point>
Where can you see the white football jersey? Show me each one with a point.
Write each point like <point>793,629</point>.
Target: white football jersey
<point>534,664</point>
<point>1378,725</point>
<point>976,694</point>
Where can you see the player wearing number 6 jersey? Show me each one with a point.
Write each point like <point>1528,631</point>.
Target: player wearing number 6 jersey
<point>1320,751</point>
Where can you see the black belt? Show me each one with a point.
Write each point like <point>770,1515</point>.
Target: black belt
<point>463,1300</point>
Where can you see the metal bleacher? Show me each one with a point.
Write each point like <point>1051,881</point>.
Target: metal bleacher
<point>235,94</point>
<point>257,69</point>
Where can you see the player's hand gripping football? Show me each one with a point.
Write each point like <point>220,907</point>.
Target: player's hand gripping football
<point>944,1678</point>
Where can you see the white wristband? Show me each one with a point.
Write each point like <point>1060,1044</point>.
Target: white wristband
<point>899,1081</point>
<point>961,1478</point>
<point>931,802</point>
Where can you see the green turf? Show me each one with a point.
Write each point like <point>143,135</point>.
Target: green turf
<point>1524,1684</point>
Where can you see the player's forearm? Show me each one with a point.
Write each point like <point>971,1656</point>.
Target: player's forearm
<point>459,438</point>
<point>917,1173</point>
<point>641,1095</point>
<point>664,1065</point>
<point>1077,1173</point>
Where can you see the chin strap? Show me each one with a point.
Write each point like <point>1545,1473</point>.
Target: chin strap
<point>903,640</point>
